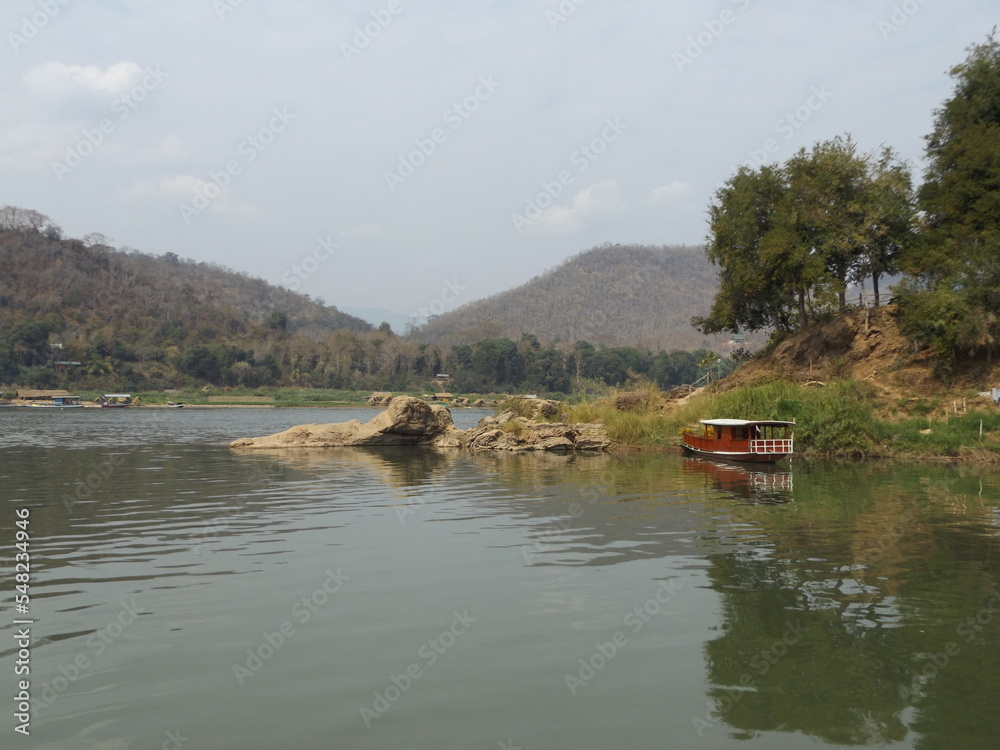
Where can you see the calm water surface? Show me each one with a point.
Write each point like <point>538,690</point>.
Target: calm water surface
<point>186,593</point>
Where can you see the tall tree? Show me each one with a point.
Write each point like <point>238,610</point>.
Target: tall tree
<point>891,229</point>
<point>952,300</point>
<point>827,210</point>
<point>745,228</point>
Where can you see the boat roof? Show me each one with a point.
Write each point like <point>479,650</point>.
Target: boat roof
<point>117,395</point>
<point>743,422</point>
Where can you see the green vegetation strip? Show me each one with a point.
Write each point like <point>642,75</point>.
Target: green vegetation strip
<point>845,419</point>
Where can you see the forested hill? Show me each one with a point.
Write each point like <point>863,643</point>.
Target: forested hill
<point>99,303</point>
<point>614,295</point>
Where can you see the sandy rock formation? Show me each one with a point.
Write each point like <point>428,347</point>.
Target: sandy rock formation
<point>410,421</point>
<point>407,421</point>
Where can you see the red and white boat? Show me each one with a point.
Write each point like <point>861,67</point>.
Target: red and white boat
<point>759,441</point>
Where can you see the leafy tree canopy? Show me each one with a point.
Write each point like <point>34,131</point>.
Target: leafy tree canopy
<point>952,300</point>
<point>790,238</point>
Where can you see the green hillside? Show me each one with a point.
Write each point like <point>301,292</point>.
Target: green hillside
<point>132,314</point>
<point>612,295</point>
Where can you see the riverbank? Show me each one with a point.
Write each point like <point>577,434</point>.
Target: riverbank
<point>264,397</point>
<point>839,419</point>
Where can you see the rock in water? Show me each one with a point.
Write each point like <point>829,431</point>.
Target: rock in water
<point>406,421</point>
<point>410,421</point>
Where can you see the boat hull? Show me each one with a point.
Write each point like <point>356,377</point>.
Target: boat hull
<point>744,457</point>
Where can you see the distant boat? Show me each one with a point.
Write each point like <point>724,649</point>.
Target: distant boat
<point>58,402</point>
<point>758,441</point>
<point>115,400</point>
<point>175,404</point>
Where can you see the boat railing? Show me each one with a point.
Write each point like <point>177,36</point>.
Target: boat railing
<point>781,445</point>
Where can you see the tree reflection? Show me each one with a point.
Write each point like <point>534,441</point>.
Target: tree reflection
<point>858,620</point>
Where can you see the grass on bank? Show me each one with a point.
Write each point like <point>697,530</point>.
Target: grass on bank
<point>258,397</point>
<point>844,418</point>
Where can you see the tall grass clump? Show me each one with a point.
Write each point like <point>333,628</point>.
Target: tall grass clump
<point>641,423</point>
<point>838,419</point>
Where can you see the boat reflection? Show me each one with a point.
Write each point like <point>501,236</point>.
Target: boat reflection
<point>761,484</point>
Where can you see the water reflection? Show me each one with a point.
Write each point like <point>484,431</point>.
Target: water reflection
<point>851,624</point>
<point>757,483</point>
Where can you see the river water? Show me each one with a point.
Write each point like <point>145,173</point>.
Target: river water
<point>185,595</point>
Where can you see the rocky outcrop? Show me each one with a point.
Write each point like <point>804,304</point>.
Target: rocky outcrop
<point>410,421</point>
<point>509,432</point>
<point>407,421</point>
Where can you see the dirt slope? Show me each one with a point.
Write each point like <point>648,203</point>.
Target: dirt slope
<point>863,345</point>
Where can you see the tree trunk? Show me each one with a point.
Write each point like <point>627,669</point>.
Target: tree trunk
<point>875,286</point>
<point>803,315</point>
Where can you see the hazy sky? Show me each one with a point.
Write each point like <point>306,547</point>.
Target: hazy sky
<point>420,155</point>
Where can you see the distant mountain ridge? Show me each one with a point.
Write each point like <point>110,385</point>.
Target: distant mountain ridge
<point>96,307</point>
<point>613,295</point>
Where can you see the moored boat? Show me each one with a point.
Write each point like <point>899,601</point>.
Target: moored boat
<point>758,441</point>
<point>115,400</point>
<point>58,402</point>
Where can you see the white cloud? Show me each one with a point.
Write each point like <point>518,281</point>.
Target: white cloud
<point>666,194</point>
<point>181,188</point>
<point>57,80</point>
<point>600,200</point>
